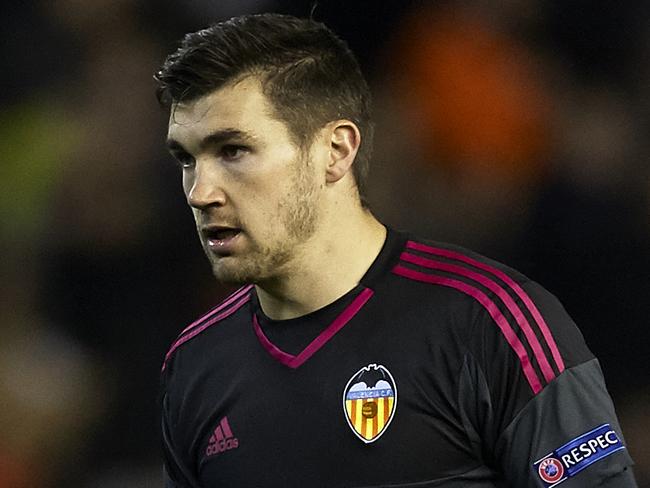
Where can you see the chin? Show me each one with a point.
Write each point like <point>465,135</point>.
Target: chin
<point>254,267</point>
<point>229,277</point>
<point>233,273</point>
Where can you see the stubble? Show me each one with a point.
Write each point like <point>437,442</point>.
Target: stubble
<point>296,222</point>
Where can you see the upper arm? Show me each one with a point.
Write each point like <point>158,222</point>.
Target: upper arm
<point>568,431</point>
<point>177,474</point>
<point>540,394</point>
<point>168,482</point>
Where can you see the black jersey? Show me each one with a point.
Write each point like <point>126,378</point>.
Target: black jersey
<point>441,368</point>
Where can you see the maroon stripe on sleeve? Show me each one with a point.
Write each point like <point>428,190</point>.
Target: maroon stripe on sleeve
<point>196,331</point>
<point>232,298</point>
<point>490,307</point>
<point>493,286</point>
<point>519,291</point>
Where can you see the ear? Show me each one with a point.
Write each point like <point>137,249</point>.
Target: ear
<point>344,140</point>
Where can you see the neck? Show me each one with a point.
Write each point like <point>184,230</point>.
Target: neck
<point>332,263</point>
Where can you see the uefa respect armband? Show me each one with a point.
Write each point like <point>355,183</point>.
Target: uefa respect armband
<point>576,455</point>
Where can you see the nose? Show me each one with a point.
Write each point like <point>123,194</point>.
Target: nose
<point>203,187</point>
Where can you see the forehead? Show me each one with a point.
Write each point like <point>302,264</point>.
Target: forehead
<point>240,106</point>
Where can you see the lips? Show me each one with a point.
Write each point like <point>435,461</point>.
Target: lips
<point>220,238</point>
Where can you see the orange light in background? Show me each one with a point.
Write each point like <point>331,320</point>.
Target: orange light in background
<point>474,92</point>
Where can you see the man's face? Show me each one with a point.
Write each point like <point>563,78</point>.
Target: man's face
<point>254,193</point>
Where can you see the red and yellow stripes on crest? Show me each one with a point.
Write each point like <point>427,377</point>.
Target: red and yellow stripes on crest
<point>369,427</point>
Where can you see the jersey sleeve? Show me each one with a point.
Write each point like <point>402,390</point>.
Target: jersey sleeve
<point>168,482</point>
<point>567,434</point>
<point>534,398</point>
<point>175,472</point>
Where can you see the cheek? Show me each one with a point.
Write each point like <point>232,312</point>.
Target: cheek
<point>262,193</point>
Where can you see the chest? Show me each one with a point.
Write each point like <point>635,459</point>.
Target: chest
<point>373,406</point>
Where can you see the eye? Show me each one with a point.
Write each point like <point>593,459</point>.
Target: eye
<point>184,160</point>
<point>232,152</point>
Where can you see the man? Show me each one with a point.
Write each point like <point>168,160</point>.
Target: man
<point>352,355</point>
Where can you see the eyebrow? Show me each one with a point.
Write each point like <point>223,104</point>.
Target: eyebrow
<point>216,137</point>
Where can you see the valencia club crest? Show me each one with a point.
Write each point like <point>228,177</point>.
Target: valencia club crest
<point>369,402</point>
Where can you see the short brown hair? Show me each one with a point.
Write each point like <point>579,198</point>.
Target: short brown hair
<point>308,73</point>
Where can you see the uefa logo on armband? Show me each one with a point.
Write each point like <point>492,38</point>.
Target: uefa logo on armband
<point>550,470</point>
<point>576,455</point>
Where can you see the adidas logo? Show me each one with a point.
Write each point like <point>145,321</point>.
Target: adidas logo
<point>222,439</point>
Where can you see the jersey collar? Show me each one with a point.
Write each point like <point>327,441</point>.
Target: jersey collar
<point>387,257</point>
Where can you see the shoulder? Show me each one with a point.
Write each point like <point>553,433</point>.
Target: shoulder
<point>515,320</point>
<point>421,258</point>
<point>469,279</point>
<point>219,313</point>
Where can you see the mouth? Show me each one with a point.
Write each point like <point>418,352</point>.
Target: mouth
<point>220,237</point>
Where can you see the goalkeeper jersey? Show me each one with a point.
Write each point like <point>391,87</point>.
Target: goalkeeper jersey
<point>441,368</point>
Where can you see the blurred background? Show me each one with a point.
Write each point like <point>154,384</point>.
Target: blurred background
<point>517,128</point>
